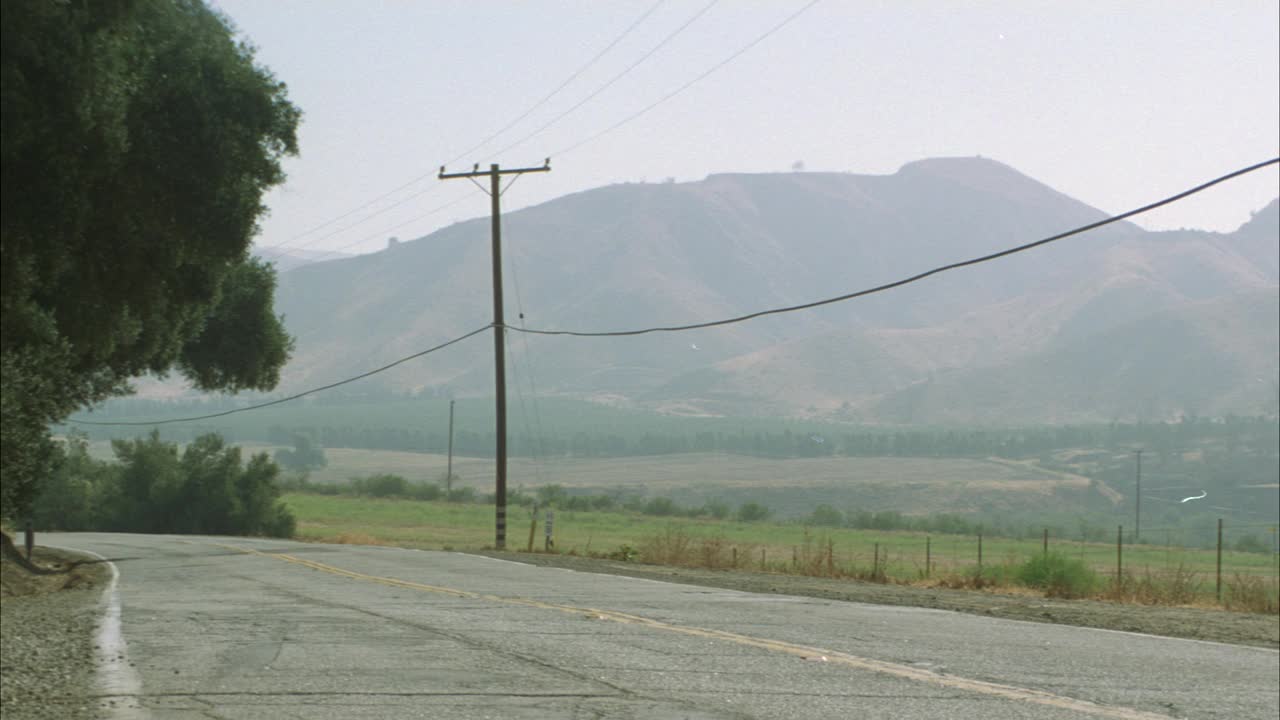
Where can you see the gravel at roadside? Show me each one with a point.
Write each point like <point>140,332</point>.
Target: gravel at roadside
<point>47,652</point>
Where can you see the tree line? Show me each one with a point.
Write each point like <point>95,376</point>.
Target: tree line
<point>154,487</point>
<point>1240,437</point>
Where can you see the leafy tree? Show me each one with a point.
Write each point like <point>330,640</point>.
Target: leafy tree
<point>660,506</point>
<point>753,512</point>
<point>138,140</point>
<point>827,516</point>
<point>70,498</point>
<point>206,488</point>
<point>551,495</point>
<point>305,455</point>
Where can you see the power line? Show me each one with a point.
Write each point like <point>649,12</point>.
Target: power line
<point>304,393</point>
<point>629,29</point>
<point>919,276</point>
<point>615,78</point>
<point>727,321</point>
<point>383,232</point>
<point>561,86</point>
<point>786,21</point>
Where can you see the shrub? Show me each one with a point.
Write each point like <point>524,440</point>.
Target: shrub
<point>425,491</point>
<point>827,516</point>
<point>383,485</point>
<point>462,495</point>
<point>672,547</point>
<point>716,509</point>
<point>660,506</point>
<point>753,512</point>
<point>1058,575</point>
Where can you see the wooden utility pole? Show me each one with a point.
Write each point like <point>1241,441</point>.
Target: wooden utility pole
<point>448,473</point>
<point>499,328</point>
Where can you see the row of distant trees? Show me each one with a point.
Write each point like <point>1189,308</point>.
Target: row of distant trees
<point>155,487</point>
<point>1245,436</point>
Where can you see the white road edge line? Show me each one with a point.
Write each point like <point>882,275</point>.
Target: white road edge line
<point>116,677</point>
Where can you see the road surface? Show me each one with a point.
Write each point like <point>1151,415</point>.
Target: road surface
<point>203,627</point>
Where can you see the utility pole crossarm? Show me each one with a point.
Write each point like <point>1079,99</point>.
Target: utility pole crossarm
<point>477,172</point>
<point>499,347</point>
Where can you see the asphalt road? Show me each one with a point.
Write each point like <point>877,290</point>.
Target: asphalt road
<point>203,627</point>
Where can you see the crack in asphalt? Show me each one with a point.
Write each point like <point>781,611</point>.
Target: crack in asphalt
<point>622,693</point>
<point>909,672</point>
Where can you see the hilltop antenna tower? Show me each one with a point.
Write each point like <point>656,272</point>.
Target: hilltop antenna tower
<point>499,329</point>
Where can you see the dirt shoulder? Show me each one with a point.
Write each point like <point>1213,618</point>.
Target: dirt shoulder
<point>49,609</point>
<point>1182,622</point>
<point>48,571</point>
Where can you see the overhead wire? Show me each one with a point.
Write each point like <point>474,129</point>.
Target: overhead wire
<point>577,73</point>
<point>670,36</point>
<point>919,276</point>
<point>295,396</point>
<point>382,233</point>
<point>693,326</point>
<point>636,23</point>
<point>610,83</point>
<point>786,21</point>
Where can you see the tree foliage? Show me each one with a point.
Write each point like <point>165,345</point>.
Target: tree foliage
<point>154,487</point>
<point>138,140</point>
<point>304,456</point>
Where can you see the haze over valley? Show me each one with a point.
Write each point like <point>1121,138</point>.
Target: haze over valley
<point>1116,324</point>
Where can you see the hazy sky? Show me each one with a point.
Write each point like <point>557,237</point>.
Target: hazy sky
<point>1113,103</point>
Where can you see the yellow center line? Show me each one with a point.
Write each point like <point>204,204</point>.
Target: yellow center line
<point>899,670</point>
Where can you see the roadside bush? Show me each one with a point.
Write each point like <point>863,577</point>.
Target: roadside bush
<point>382,485</point>
<point>154,488</point>
<point>673,546</point>
<point>1058,575</point>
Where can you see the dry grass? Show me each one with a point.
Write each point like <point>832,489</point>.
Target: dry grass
<point>1250,593</point>
<point>1180,586</point>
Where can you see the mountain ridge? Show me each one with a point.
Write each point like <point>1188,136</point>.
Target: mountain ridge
<point>628,256</point>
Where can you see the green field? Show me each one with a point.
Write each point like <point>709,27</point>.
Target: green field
<point>772,546</point>
<point>791,488</point>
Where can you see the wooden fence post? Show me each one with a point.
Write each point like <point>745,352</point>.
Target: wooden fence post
<point>1219,590</point>
<point>1119,560</point>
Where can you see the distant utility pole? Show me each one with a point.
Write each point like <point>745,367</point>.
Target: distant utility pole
<point>1137,506</point>
<point>448,473</point>
<point>499,353</point>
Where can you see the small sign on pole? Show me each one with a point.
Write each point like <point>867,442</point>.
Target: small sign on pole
<point>550,543</point>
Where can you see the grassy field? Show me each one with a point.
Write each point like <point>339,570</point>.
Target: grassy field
<point>791,487</point>
<point>772,546</point>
